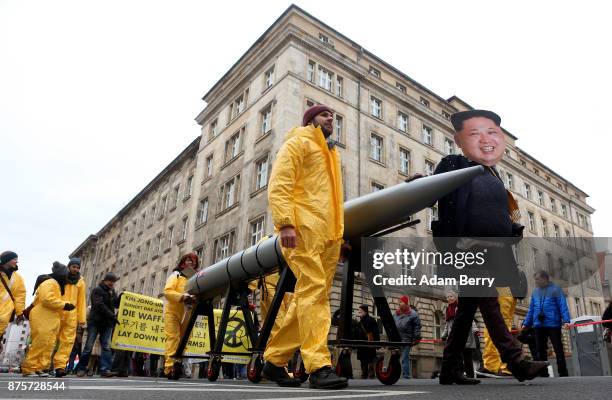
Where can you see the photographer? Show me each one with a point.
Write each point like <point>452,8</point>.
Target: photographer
<point>547,312</point>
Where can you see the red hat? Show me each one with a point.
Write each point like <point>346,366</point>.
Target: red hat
<point>404,299</point>
<point>313,112</point>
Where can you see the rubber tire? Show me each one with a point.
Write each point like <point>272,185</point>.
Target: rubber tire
<point>254,369</point>
<point>344,366</point>
<point>393,372</point>
<point>214,367</point>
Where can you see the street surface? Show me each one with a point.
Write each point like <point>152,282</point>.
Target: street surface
<point>161,389</point>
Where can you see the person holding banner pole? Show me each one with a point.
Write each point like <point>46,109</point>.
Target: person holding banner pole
<point>174,311</point>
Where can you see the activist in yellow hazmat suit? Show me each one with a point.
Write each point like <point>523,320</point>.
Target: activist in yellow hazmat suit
<point>74,293</point>
<point>45,321</point>
<point>175,320</point>
<point>306,200</point>
<point>492,364</point>
<point>12,301</point>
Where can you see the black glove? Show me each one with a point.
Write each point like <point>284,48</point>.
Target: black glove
<point>69,307</point>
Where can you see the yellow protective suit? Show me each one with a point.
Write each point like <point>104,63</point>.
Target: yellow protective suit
<point>17,288</point>
<point>490,356</point>
<point>305,191</point>
<point>74,294</point>
<point>44,325</point>
<point>174,313</point>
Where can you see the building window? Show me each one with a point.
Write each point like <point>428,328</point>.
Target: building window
<point>257,230</point>
<point>151,289</point>
<point>184,226</point>
<point>376,107</point>
<point>266,120</point>
<point>175,196</point>
<point>213,130</point>
<point>377,186</point>
<point>429,168</point>
<point>541,198</point>
<point>446,115</point>
<point>564,210</point>
<point>531,220</point>
<point>228,194</point>
<point>145,254</point>
<point>509,180</point>
<point>507,153</point>
<point>404,161</point>
<point>449,146</point>
<point>152,215</point>
<point>203,211</point>
<point>523,163</point>
<point>261,176</point>
<point>325,79</point>
<point>311,71</point>
<point>158,244</point>
<point>339,86</point>
<point>553,205</point>
<point>143,219</point>
<point>402,122</point>
<point>189,186</point>
<point>339,129</point>
<point>528,191</point>
<point>233,145</point>
<point>269,77</point>
<point>427,135</point>
<point>535,170</point>
<point>239,105</point>
<point>400,87</point>
<point>170,237</point>
<point>142,286</point>
<point>544,228</point>
<point>375,72</point>
<point>432,215</point>
<point>163,206</point>
<point>439,321</point>
<point>556,231</point>
<point>224,246</point>
<point>323,38</point>
<point>424,102</point>
<point>209,166</point>
<point>376,148</point>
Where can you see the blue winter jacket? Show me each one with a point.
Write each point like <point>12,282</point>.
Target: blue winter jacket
<point>551,301</point>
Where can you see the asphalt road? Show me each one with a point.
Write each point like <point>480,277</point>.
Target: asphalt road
<point>161,389</point>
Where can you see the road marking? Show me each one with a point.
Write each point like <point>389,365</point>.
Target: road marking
<point>251,389</point>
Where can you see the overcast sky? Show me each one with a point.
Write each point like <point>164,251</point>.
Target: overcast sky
<point>96,97</point>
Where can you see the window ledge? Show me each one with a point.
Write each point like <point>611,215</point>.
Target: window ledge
<point>172,209</point>
<point>378,162</point>
<point>208,178</point>
<point>186,198</point>
<point>341,145</point>
<point>255,193</point>
<point>167,250</point>
<point>180,242</point>
<point>155,256</point>
<point>140,233</point>
<point>220,213</point>
<point>228,162</point>
<point>265,135</point>
<point>200,225</point>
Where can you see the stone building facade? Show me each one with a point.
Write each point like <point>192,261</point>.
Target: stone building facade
<point>212,198</point>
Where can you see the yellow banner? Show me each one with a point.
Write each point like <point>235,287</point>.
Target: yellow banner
<point>141,329</point>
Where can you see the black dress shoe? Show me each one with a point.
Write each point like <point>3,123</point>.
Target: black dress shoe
<point>527,370</point>
<point>60,373</point>
<point>326,378</point>
<point>279,375</point>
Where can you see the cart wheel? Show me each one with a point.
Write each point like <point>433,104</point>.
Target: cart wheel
<point>177,371</point>
<point>214,366</point>
<point>343,366</point>
<point>300,372</point>
<point>254,369</point>
<point>392,374</point>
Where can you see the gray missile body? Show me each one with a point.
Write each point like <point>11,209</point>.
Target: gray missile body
<point>364,215</point>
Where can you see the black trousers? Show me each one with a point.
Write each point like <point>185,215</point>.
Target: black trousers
<point>554,334</point>
<point>509,349</point>
<point>468,362</point>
